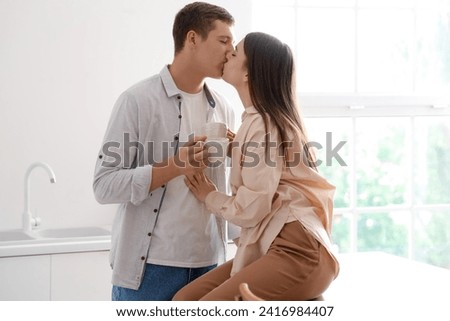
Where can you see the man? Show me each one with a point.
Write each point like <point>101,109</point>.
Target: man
<point>162,237</point>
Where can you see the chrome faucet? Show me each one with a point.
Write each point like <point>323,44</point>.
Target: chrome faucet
<point>30,221</point>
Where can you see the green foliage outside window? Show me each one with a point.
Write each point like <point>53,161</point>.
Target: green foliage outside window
<point>383,179</point>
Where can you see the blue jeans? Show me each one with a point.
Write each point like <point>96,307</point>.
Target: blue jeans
<point>160,283</point>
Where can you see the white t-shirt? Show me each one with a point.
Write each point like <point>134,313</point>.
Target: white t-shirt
<point>194,113</point>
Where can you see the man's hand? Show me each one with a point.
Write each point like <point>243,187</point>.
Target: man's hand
<point>192,157</point>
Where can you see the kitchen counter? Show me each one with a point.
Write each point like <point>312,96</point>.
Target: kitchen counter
<point>54,241</point>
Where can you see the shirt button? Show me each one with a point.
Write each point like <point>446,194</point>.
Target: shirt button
<point>155,210</point>
<point>100,156</point>
<point>149,234</point>
<point>142,258</point>
<point>178,97</point>
<point>176,137</point>
<point>163,186</point>
<point>179,116</point>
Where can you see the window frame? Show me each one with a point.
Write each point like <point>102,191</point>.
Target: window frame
<point>356,106</point>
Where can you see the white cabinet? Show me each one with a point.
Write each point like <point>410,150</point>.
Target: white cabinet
<point>25,278</point>
<point>83,276</point>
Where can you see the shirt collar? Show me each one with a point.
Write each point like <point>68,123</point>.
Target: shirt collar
<point>168,83</point>
<point>172,89</point>
<point>249,111</point>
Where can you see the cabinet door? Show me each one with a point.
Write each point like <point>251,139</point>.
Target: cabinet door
<point>81,276</point>
<point>25,278</point>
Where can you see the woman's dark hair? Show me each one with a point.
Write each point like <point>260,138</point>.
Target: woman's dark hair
<point>200,17</point>
<point>271,82</point>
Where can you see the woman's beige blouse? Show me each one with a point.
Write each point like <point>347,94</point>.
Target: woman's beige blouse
<point>267,192</point>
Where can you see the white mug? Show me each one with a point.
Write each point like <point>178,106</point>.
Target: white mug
<point>215,130</point>
<point>217,150</point>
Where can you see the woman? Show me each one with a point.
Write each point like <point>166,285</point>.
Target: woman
<point>283,206</point>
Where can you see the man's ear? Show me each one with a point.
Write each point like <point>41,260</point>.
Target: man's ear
<point>191,38</point>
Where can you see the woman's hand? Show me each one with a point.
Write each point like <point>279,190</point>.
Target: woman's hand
<point>200,185</point>
<point>230,136</point>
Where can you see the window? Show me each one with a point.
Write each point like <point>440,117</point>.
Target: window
<point>364,46</point>
<point>374,86</point>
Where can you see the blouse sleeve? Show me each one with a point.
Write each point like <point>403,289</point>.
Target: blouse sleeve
<point>261,173</point>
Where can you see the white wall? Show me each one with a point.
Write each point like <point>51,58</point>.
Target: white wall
<point>63,63</point>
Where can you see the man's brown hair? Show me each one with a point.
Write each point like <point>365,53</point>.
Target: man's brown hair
<point>199,17</point>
